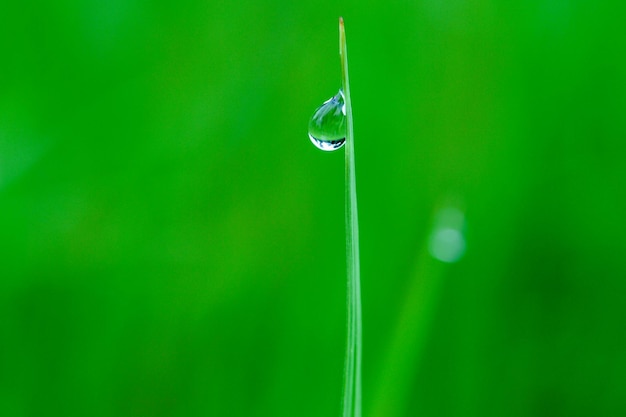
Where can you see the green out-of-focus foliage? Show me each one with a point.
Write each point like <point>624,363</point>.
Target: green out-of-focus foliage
<point>171,244</point>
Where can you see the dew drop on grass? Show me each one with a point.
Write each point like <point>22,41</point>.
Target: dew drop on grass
<point>327,127</point>
<point>447,240</point>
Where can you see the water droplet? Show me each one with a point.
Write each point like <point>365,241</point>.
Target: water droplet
<point>447,240</point>
<point>327,127</point>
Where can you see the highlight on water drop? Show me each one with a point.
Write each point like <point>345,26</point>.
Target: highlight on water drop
<point>327,127</point>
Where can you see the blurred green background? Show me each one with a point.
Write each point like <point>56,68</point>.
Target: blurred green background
<point>173,245</point>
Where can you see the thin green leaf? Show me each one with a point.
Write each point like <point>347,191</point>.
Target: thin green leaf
<point>352,388</point>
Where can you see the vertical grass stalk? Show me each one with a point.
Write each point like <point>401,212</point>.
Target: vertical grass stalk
<point>352,383</point>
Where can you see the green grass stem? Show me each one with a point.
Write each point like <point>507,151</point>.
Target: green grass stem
<point>352,385</point>
<point>409,337</point>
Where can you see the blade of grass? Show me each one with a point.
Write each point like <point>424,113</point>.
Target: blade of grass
<point>352,388</point>
<point>407,344</point>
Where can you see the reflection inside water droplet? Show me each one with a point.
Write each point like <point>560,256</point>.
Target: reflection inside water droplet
<point>327,127</point>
